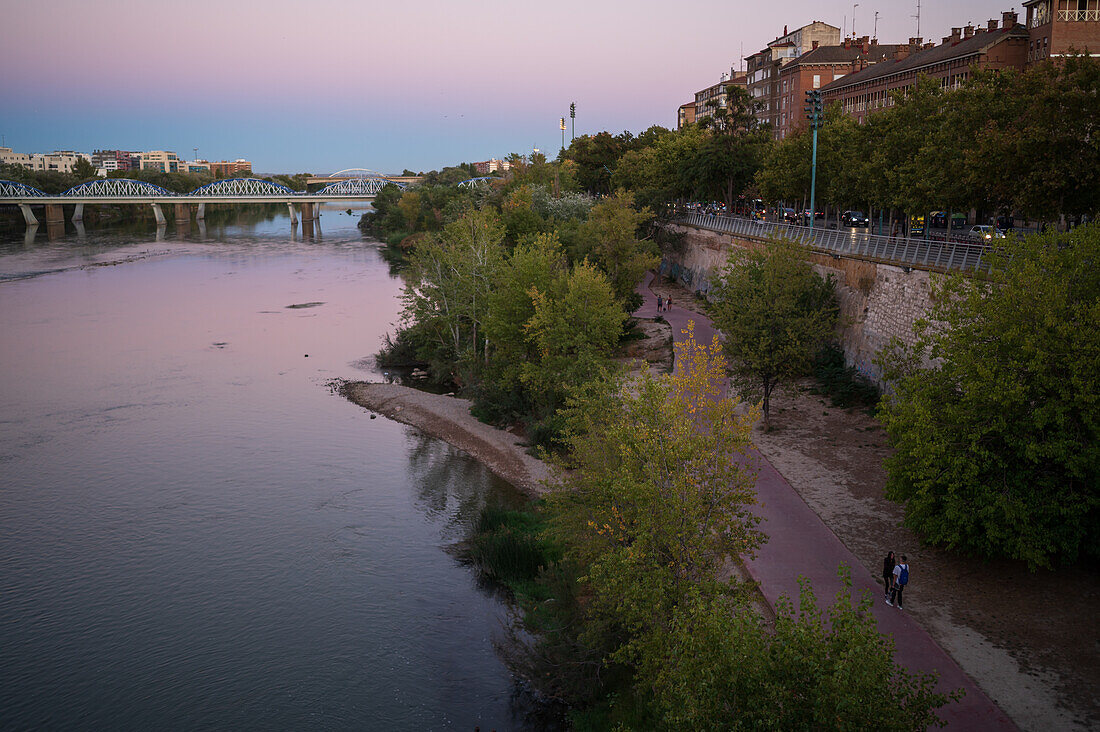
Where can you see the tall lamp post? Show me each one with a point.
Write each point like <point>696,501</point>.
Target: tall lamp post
<point>814,114</point>
<point>562,125</point>
<point>573,120</point>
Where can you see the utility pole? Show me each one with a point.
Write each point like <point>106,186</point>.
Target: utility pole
<point>814,114</point>
<point>573,120</point>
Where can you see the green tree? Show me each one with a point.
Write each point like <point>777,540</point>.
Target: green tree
<point>997,447</point>
<point>84,170</point>
<point>658,500</point>
<point>776,312</point>
<point>574,333</point>
<point>729,156</point>
<point>719,668</point>
<point>611,238</point>
<point>447,292</point>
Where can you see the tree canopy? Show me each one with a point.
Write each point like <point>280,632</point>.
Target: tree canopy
<point>997,445</point>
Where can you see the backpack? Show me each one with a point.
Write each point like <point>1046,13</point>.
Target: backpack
<point>903,578</point>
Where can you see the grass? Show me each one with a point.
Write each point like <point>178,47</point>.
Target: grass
<point>511,548</point>
<point>844,385</point>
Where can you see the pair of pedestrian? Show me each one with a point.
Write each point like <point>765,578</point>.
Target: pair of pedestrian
<point>663,303</point>
<point>895,577</point>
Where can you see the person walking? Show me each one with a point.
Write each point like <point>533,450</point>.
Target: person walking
<point>901,580</point>
<point>668,303</point>
<point>660,303</point>
<point>888,574</point>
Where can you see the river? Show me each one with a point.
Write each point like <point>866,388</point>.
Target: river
<point>195,531</point>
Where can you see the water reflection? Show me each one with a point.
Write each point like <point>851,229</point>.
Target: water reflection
<point>194,531</point>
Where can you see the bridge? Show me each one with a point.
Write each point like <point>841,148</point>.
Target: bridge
<point>352,173</point>
<point>232,190</point>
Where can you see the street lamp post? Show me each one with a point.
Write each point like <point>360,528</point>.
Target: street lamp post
<point>813,113</point>
<point>573,120</point>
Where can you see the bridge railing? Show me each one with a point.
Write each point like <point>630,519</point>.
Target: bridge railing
<point>929,254</point>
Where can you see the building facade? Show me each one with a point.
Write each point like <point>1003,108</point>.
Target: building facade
<point>1057,27</point>
<point>163,160</point>
<point>763,67</point>
<point>817,68</point>
<point>116,160</point>
<point>685,115</point>
<point>229,169</point>
<point>713,98</point>
<point>863,92</point>
<point>10,157</point>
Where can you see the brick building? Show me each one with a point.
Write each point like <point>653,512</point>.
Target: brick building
<point>229,169</point>
<point>1056,27</point>
<point>992,47</point>
<point>713,98</point>
<point>817,68</point>
<point>763,67</point>
<point>685,115</point>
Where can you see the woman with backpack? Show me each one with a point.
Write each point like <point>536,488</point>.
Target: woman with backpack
<point>901,579</point>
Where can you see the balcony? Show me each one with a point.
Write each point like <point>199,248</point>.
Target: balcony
<point>1078,15</point>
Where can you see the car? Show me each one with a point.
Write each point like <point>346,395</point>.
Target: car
<point>853,218</point>
<point>789,214</point>
<point>982,232</point>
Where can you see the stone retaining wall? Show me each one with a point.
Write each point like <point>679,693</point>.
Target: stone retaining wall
<point>877,301</point>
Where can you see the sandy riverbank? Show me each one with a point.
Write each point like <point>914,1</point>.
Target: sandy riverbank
<point>449,419</point>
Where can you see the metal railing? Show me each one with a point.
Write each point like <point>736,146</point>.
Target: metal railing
<point>929,254</point>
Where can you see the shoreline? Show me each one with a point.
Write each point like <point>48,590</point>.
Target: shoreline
<point>448,418</point>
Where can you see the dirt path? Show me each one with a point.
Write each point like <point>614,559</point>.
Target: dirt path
<point>1029,640</point>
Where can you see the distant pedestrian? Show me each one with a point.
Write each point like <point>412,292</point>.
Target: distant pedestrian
<point>668,303</point>
<point>888,574</point>
<point>660,303</point>
<point>901,581</point>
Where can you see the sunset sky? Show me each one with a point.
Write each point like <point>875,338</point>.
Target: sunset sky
<point>333,84</point>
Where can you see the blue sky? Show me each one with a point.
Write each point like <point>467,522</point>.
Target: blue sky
<point>331,84</point>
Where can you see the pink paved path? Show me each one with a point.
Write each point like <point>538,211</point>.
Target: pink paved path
<point>799,543</point>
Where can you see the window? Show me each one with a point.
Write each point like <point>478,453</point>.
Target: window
<point>817,81</point>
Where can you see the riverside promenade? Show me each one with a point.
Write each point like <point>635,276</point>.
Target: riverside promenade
<point>799,543</point>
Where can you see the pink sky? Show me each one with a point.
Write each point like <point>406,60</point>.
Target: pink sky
<point>385,85</point>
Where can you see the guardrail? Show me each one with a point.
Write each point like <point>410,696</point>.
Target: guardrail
<point>929,254</point>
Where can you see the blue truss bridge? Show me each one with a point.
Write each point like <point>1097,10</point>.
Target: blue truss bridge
<point>358,186</point>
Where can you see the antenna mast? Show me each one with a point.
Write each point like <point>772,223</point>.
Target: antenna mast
<point>917,16</point>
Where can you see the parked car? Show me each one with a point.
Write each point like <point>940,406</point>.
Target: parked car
<point>853,218</point>
<point>982,232</point>
<point>1004,223</point>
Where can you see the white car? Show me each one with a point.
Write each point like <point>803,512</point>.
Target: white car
<point>981,232</point>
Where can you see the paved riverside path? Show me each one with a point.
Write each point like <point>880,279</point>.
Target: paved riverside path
<point>799,543</point>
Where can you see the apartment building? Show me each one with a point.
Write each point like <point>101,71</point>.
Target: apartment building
<point>163,160</point>
<point>817,68</point>
<point>1056,27</point>
<point>992,47</point>
<point>763,67</point>
<point>685,115</point>
<point>228,169</point>
<point>713,98</point>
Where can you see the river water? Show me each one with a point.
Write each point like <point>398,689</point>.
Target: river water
<point>195,531</point>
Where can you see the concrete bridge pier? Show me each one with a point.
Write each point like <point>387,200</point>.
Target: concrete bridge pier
<point>29,234</point>
<point>55,214</point>
<point>28,215</point>
<point>161,221</point>
<point>308,211</point>
<point>183,215</point>
<point>78,213</point>
<point>200,215</point>
<point>293,214</point>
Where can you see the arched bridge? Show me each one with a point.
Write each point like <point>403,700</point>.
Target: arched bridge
<point>232,190</point>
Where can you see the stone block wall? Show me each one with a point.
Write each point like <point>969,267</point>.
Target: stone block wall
<point>877,301</point>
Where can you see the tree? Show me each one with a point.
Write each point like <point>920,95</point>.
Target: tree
<point>659,498</point>
<point>729,156</point>
<point>776,312</point>
<point>574,333</point>
<point>997,446</point>
<point>719,668</point>
<point>84,170</point>
<point>611,237</point>
<point>448,281</point>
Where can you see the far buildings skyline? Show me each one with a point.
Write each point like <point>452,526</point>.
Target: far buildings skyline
<point>110,161</point>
